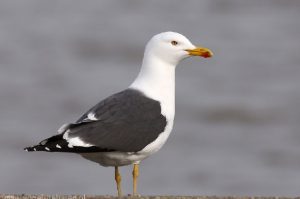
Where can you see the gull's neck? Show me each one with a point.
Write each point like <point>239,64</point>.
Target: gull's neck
<point>157,81</point>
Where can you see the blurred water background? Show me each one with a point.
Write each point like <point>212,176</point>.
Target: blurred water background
<point>238,115</point>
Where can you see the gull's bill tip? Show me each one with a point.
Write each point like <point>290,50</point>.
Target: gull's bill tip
<point>200,51</point>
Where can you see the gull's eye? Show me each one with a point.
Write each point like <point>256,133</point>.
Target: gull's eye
<point>174,43</point>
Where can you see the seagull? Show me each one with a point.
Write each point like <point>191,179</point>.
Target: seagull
<point>129,126</point>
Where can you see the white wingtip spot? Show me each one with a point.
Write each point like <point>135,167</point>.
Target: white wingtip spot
<point>34,149</point>
<point>47,148</point>
<point>92,116</point>
<point>58,146</point>
<point>26,150</point>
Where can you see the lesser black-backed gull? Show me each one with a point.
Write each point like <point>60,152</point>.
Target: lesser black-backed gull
<point>129,126</point>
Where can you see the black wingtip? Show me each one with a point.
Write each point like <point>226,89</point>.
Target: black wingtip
<point>28,149</point>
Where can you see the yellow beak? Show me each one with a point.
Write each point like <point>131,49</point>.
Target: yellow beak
<point>200,51</point>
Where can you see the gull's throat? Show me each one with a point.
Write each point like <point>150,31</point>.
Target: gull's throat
<point>156,78</point>
<point>157,81</point>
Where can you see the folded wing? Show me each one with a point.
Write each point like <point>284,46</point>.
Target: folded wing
<point>127,121</point>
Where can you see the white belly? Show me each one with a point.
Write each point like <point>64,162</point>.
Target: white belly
<point>117,158</point>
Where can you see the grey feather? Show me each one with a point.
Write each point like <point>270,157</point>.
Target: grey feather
<point>127,121</point>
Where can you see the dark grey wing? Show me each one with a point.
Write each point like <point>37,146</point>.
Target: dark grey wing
<point>127,121</point>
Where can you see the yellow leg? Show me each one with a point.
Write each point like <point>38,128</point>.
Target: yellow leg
<point>135,174</point>
<point>118,181</point>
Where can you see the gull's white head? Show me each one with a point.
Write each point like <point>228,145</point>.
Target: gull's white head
<point>157,75</point>
<point>172,47</point>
